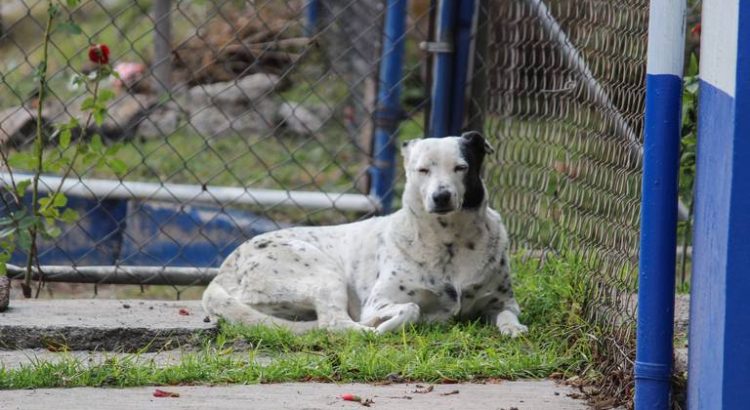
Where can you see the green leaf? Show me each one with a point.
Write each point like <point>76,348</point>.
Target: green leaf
<point>70,28</point>
<point>87,104</point>
<point>65,136</point>
<point>90,158</point>
<point>53,231</point>
<point>24,240</point>
<point>26,222</point>
<point>72,3</point>
<point>69,215</point>
<point>99,114</point>
<point>113,149</point>
<point>118,166</point>
<point>21,187</point>
<point>60,200</point>
<point>105,95</point>
<point>96,143</point>
<point>23,160</point>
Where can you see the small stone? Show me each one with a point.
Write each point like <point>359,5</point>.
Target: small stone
<point>125,306</point>
<point>207,319</point>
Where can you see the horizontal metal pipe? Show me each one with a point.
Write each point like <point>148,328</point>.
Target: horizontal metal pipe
<point>101,189</point>
<point>120,275</point>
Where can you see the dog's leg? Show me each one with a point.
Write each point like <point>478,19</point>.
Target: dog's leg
<point>218,302</point>
<point>507,319</point>
<point>331,306</point>
<point>393,317</point>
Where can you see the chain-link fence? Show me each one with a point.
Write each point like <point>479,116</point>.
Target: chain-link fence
<point>565,105</point>
<point>229,119</point>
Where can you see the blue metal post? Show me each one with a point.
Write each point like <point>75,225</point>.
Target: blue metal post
<point>461,58</point>
<point>443,70</point>
<point>312,15</point>
<point>661,150</point>
<point>719,365</point>
<point>389,113</point>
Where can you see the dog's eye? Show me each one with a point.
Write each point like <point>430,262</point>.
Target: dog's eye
<point>461,168</point>
<point>423,171</point>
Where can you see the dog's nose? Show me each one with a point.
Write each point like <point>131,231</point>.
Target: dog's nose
<point>441,198</point>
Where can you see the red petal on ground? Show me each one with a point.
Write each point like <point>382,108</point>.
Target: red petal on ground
<point>164,393</point>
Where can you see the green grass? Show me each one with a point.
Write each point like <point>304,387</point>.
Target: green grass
<point>558,343</point>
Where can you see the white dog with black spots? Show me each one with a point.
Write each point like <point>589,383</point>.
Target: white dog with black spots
<point>444,255</point>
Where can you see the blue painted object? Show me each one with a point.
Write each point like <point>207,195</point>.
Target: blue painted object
<point>443,79</point>
<point>164,234</point>
<point>653,366</point>
<point>94,240</point>
<point>661,153</point>
<point>661,162</point>
<point>719,366</point>
<point>312,14</point>
<point>119,232</point>
<point>389,113</point>
<point>462,56</point>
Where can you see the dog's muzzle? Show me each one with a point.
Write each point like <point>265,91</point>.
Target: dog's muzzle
<point>442,202</point>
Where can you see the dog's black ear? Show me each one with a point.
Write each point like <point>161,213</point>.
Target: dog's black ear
<point>475,139</point>
<point>473,149</point>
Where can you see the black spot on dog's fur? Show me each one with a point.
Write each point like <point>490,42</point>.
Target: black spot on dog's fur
<point>451,292</point>
<point>411,293</point>
<point>502,261</point>
<point>449,248</point>
<point>263,244</point>
<point>473,149</point>
<point>401,288</point>
<point>442,222</point>
<point>470,245</point>
<point>393,273</point>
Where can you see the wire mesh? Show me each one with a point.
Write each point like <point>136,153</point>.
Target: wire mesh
<point>564,93</point>
<point>251,101</point>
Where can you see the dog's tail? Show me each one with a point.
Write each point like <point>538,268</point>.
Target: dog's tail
<point>218,302</point>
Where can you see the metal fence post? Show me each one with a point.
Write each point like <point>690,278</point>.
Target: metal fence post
<point>719,365</point>
<point>311,17</point>
<point>162,64</point>
<point>443,70</point>
<point>389,113</point>
<point>462,63</point>
<point>653,366</point>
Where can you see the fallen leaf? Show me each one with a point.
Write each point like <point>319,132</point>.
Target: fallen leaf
<point>164,393</point>
<point>450,393</point>
<point>184,312</point>
<point>424,390</point>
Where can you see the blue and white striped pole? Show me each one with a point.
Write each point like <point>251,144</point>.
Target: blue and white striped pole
<point>719,365</point>
<point>661,152</point>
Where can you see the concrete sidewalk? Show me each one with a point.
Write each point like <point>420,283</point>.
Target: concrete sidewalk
<point>102,324</point>
<point>520,395</point>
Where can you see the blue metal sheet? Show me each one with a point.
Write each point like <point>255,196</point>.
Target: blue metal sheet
<point>174,235</point>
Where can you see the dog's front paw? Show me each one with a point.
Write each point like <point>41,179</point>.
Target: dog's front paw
<point>508,324</point>
<point>512,329</point>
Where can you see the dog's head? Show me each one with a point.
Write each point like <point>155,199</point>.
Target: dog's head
<point>445,173</point>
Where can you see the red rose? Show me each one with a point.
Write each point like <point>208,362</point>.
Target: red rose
<point>99,54</point>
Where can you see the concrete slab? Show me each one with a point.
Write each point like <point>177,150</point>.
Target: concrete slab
<point>15,359</point>
<point>100,324</point>
<point>520,395</point>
